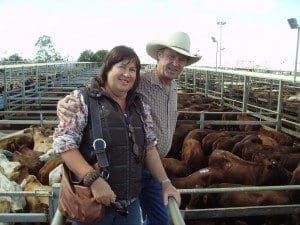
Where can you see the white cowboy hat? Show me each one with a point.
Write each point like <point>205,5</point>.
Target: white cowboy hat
<point>179,42</point>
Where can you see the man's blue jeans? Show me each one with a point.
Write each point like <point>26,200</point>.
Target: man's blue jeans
<point>113,218</point>
<point>151,200</point>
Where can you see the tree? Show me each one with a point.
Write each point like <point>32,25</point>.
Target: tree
<point>13,58</point>
<point>86,56</point>
<point>45,51</point>
<point>89,56</point>
<point>99,56</point>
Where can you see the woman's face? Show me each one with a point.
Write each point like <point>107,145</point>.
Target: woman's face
<point>121,77</point>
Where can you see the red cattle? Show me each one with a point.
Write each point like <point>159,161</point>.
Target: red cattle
<point>239,199</point>
<point>192,157</point>
<point>227,143</point>
<point>281,138</point>
<point>229,168</point>
<point>209,139</point>
<point>247,127</point>
<point>28,158</point>
<point>225,167</point>
<point>50,165</point>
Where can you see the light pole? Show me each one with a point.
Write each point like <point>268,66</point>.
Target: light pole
<point>294,25</point>
<point>217,45</point>
<point>221,24</point>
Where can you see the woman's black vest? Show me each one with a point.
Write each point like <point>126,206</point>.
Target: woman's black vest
<point>125,168</point>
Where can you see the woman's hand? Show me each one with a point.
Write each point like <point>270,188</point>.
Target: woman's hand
<point>102,192</point>
<point>169,190</point>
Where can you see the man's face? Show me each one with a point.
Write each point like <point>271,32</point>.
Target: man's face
<point>170,64</point>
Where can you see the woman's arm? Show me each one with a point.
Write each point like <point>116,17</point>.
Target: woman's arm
<point>66,140</point>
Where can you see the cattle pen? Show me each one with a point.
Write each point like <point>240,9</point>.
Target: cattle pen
<point>29,94</point>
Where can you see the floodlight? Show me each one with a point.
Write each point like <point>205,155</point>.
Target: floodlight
<point>293,23</point>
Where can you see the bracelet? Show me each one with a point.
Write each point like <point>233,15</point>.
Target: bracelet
<point>90,177</point>
<point>165,181</point>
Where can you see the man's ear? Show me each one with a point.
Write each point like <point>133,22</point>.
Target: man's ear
<point>159,54</point>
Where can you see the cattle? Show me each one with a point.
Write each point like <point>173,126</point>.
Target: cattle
<point>34,203</point>
<point>28,158</point>
<point>192,157</point>
<point>268,141</point>
<point>43,173</point>
<point>295,180</point>
<point>42,143</point>
<point>281,138</point>
<point>227,143</point>
<point>225,167</point>
<point>247,127</point>
<point>240,199</point>
<point>10,169</point>
<point>16,203</point>
<point>180,133</point>
<point>55,175</point>
<point>12,141</point>
<point>209,139</point>
<point>229,168</point>
<point>287,160</point>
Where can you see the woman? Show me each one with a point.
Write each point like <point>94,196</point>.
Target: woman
<point>128,131</point>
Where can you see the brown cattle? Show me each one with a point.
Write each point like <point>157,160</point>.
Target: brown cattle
<point>12,141</point>
<point>295,194</point>
<point>227,143</point>
<point>34,203</point>
<point>180,133</point>
<point>247,127</point>
<point>28,158</point>
<point>239,199</point>
<point>268,141</point>
<point>281,138</point>
<point>192,157</point>
<point>196,179</point>
<point>50,165</point>
<point>225,167</point>
<point>209,139</point>
<point>174,167</point>
<point>229,168</point>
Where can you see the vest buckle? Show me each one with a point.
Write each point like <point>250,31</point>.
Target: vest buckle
<point>99,145</point>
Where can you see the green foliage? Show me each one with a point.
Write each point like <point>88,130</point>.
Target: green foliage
<point>99,56</point>
<point>13,58</point>
<point>45,51</point>
<point>86,56</point>
<point>89,56</point>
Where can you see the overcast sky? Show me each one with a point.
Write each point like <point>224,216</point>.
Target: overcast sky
<point>256,31</point>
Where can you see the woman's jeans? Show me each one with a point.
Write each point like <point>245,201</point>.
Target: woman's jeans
<point>114,218</point>
<point>151,200</point>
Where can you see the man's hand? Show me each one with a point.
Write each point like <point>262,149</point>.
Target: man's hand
<point>169,190</point>
<point>67,108</point>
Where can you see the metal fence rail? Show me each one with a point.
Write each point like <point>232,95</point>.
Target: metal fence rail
<point>206,213</point>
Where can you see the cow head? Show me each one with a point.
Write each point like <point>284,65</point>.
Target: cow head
<point>274,174</point>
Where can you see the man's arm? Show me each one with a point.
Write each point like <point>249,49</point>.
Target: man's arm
<point>157,170</point>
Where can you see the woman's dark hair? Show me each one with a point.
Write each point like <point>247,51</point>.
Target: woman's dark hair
<point>118,54</point>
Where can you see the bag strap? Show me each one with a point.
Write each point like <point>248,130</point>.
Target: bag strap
<point>99,144</point>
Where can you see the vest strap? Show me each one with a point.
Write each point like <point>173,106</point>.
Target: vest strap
<point>99,144</point>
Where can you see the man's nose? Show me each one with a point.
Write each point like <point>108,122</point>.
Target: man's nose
<point>176,62</point>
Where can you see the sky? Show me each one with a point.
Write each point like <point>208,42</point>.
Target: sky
<point>256,33</point>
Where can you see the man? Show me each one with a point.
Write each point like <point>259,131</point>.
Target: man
<point>159,90</point>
